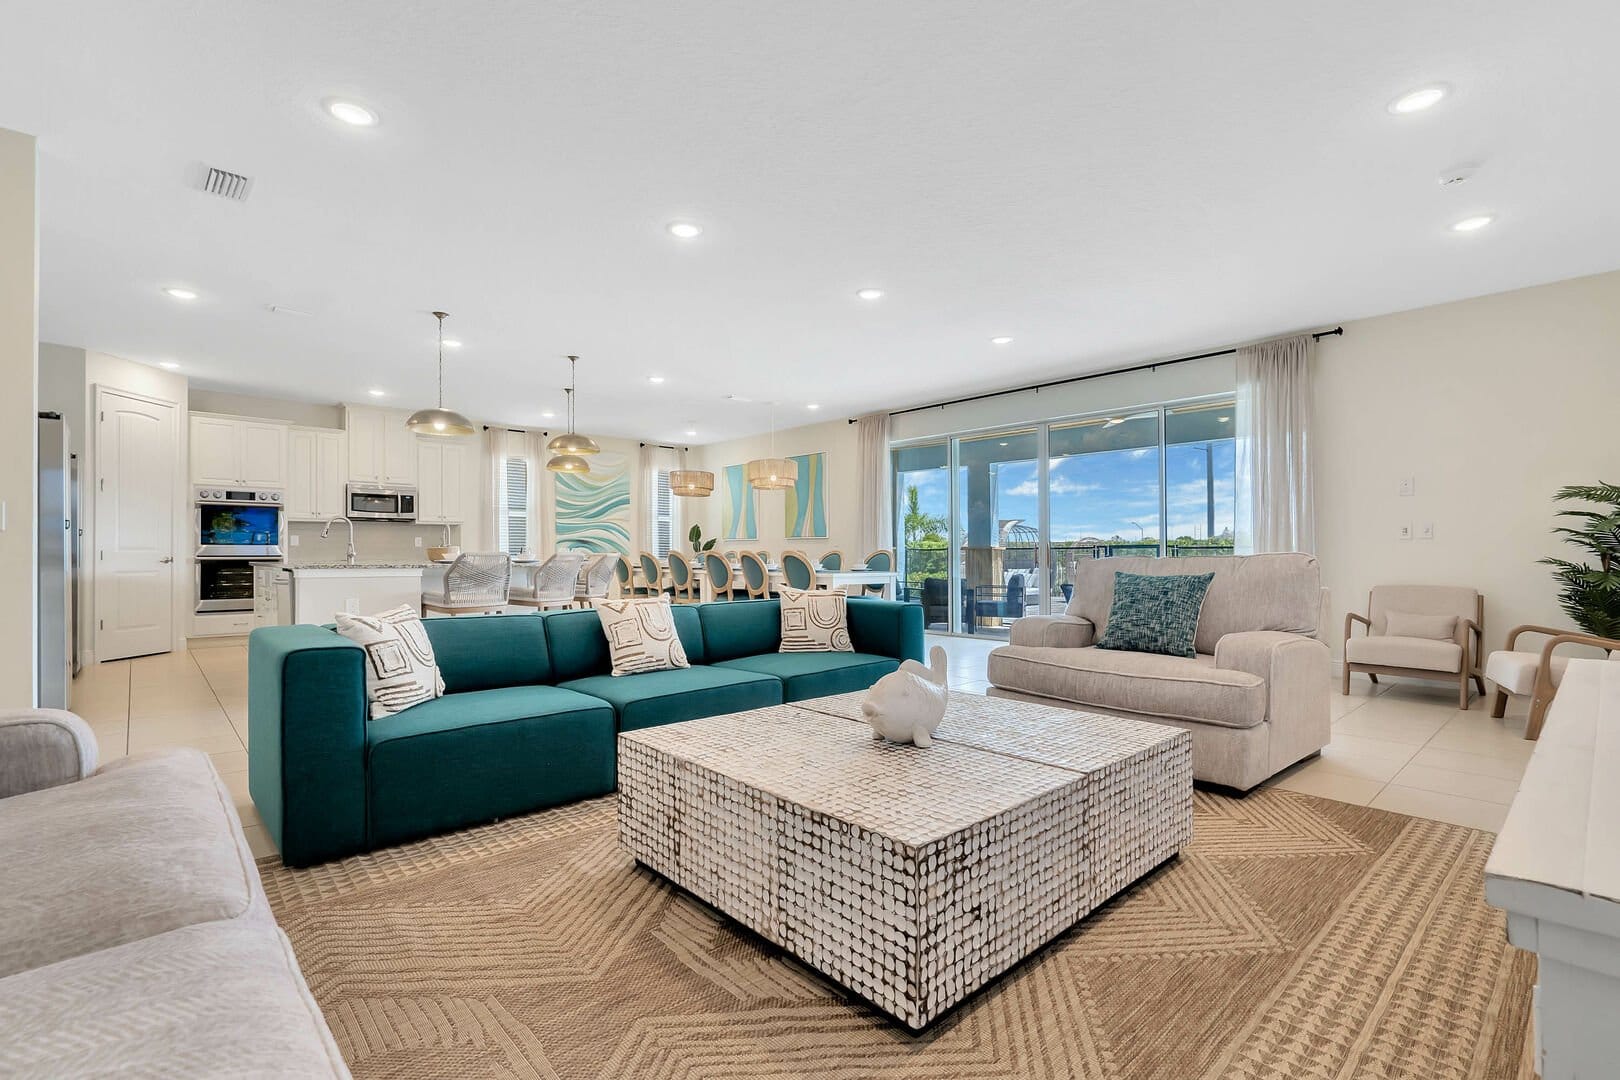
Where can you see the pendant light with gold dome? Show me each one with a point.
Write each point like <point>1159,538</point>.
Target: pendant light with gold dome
<point>440,420</point>
<point>571,448</point>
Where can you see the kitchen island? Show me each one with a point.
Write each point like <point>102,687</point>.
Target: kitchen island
<point>317,592</point>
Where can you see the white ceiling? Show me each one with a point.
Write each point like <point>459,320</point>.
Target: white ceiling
<point>1102,182</point>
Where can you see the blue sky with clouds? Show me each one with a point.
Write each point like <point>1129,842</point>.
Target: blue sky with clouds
<point>1102,495</point>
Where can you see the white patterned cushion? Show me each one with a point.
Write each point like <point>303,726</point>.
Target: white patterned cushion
<point>815,620</point>
<point>400,667</point>
<point>641,635</point>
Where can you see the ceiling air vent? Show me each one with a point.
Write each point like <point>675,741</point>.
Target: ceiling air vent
<point>227,185</point>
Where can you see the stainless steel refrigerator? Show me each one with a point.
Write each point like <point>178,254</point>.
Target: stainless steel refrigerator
<point>58,562</point>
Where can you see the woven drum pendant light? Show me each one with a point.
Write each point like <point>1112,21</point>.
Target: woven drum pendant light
<point>772,473</point>
<point>440,421</point>
<point>571,444</point>
<point>692,483</point>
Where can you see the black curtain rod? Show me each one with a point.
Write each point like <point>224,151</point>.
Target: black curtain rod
<point>1337,331</point>
<point>519,431</point>
<point>666,446</point>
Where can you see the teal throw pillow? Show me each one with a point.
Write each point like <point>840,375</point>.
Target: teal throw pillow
<point>1155,614</point>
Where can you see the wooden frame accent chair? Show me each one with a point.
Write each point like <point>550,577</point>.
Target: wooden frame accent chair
<point>1536,675</point>
<point>1418,632</point>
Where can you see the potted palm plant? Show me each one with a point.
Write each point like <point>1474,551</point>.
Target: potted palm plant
<point>1590,595</point>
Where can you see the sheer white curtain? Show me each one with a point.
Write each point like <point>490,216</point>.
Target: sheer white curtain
<point>494,481</point>
<point>533,444</point>
<point>654,460</point>
<point>1276,503</point>
<point>875,525</point>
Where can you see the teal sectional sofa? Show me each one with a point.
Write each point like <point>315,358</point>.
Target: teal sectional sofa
<point>529,718</point>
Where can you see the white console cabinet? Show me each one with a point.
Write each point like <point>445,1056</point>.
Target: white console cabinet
<point>1555,870</point>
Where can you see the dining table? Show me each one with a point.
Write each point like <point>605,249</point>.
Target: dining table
<point>852,579</point>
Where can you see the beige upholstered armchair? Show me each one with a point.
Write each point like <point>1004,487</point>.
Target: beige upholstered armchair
<point>41,748</point>
<point>1536,675</point>
<point>1420,632</point>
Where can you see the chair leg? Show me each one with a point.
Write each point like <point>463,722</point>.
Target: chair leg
<point>1479,681</point>
<point>1462,691</point>
<point>1538,716</point>
<point>1346,688</point>
<point>1499,705</point>
<point>1373,676</point>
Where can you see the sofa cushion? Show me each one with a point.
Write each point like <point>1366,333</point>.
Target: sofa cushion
<point>641,635</point>
<point>666,697</point>
<point>814,620</point>
<point>474,757</point>
<point>401,669</point>
<point>485,652</point>
<point>1433,627</point>
<point>1425,654</point>
<point>741,628</point>
<point>217,999</point>
<point>1249,592</point>
<point>1186,688</point>
<point>817,674</point>
<point>1155,613</point>
<point>579,648</point>
<point>148,844</point>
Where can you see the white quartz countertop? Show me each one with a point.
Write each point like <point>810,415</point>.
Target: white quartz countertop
<point>359,568</point>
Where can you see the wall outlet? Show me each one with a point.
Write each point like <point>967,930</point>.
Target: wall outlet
<point>418,541</point>
<point>1426,531</point>
<point>1407,486</point>
<point>1403,532</point>
<point>352,605</point>
<point>293,540</point>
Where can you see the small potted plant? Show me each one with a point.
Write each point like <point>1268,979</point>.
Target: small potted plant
<point>699,545</point>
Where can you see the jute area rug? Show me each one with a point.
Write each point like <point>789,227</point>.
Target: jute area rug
<point>1297,937</point>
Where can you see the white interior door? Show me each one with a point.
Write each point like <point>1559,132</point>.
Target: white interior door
<point>135,490</point>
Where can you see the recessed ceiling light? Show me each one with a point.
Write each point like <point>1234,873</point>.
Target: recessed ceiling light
<point>351,112</point>
<point>812,406</point>
<point>451,343</point>
<point>547,415</point>
<point>1418,100</point>
<point>655,378</point>
<point>377,393</point>
<point>181,294</point>
<point>169,365</point>
<point>684,230</point>
<point>1001,341</point>
<point>691,431</point>
<point>869,294</point>
<point>1469,224</point>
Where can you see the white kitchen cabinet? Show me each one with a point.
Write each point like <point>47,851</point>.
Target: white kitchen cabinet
<point>442,481</point>
<point>317,467</point>
<point>234,450</point>
<point>381,450</point>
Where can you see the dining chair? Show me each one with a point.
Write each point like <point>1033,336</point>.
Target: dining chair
<point>797,571</point>
<point>555,583</point>
<point>653,575</point>
<point>756,577</point>
<point>477,583</point>
<point>881,560</point>
<point>682,582</point>
<point>718,569</point>
<point>731,556</point>
<point>599,574</point>
<point>832,560</point>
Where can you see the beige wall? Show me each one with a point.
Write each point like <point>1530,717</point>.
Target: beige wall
<point>1489,405</point>
<point>836,437</point>
<point>302,413</point>
<point>19,444</point>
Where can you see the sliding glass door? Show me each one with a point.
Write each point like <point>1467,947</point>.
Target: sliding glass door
<point>990,526</point>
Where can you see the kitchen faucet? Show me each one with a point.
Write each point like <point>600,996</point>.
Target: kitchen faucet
<point>328,530</point>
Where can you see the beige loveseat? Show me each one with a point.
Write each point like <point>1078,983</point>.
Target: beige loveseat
<point>135,937</point>
<point>1255,698</point>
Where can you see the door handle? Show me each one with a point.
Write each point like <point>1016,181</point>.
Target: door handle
<point>167,559</point>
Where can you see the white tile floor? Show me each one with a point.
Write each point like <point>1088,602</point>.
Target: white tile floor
<point>1401,746</point>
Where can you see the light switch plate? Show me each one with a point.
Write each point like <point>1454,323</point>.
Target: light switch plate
<point>352,605</point>
<point>1403,532</point>
<point>1426,531</point>
<point>418,541</point>
<point>293,539</point>
<point>1408,486</point>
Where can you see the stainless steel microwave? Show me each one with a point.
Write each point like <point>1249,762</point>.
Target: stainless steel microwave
<point>368,503</point>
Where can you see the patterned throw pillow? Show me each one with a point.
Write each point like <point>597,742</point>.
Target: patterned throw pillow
<point>641,635</point>
<point>400,668</point>
<point>1155,613</point>
<point>815,620</point>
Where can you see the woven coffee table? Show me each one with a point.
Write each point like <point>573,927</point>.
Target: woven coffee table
<point>910,876</point>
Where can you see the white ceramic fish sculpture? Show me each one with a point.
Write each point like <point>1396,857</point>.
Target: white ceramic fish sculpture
<point>906,706</point>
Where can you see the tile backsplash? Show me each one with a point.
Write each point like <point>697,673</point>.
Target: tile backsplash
<point>374,542</point>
